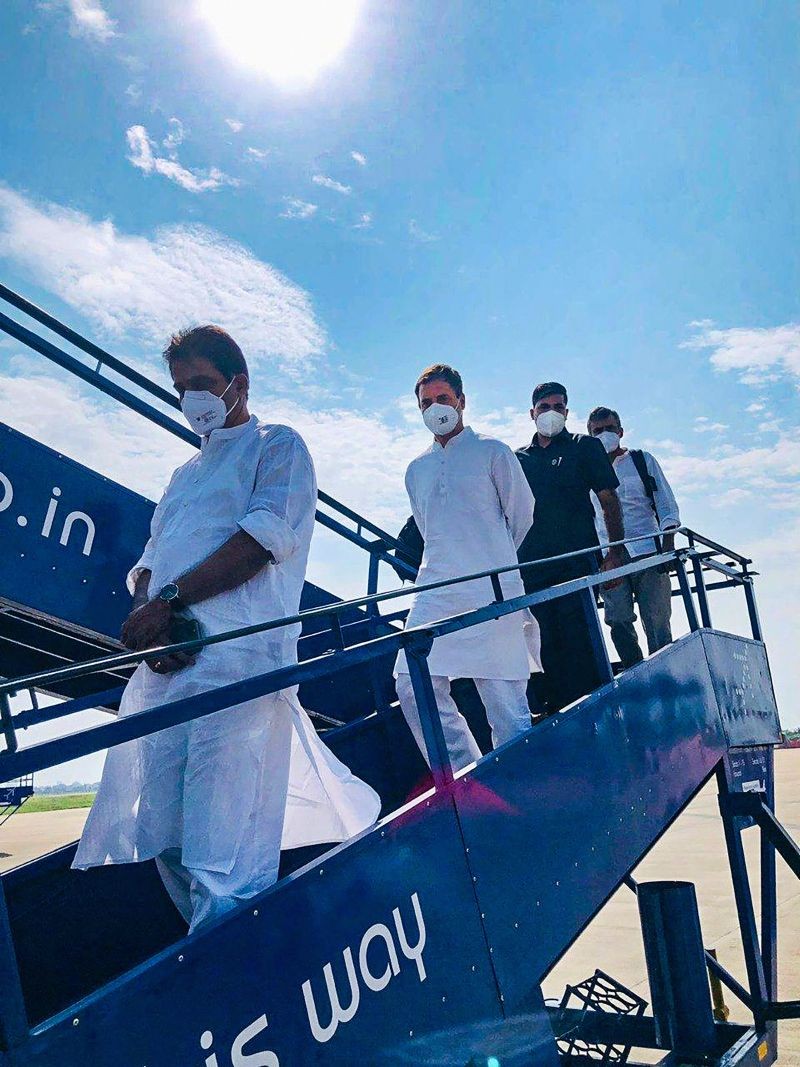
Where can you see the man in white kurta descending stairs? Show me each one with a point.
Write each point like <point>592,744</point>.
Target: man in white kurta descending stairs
<point>473,506</point>
<point>214,800</point>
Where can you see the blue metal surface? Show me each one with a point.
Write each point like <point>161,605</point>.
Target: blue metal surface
<point>743,685</point>
<point>68,559</point>
<point>247,974</point>
<point>554,822</point>
<point>676,968</point>
<point>13,1018</point>
<point>743,896</point>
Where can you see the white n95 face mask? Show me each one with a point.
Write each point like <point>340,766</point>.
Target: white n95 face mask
<point>549,423</point>
<point>441,419</point>
<point>205,411</point>
<point>610,440</point>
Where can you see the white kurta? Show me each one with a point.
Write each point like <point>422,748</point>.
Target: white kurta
<point>473,506</point>
<point>227,788</point>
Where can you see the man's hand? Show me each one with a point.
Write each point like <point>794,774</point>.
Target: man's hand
<point>147,626</point>
<point>169,664</point>
<point>615,557</point>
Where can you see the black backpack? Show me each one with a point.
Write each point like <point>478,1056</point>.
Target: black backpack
<point>649,483</point>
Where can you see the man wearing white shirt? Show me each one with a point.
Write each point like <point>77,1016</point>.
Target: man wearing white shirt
<point>649,508</point>
<point>473,507</point>
<point>214,800</point>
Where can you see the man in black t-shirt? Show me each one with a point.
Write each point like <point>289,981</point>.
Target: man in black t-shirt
<point>562,469</point>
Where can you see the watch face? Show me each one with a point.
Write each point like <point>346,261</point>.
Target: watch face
<point>169,592</point>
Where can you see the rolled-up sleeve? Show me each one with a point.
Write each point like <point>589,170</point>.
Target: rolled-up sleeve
<point>284,493</point>
<point>668,512</point>
<point>145,561</point>
<point>514,493</point>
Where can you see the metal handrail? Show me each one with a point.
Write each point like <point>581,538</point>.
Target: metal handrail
<point>93,377</point>
<point>96,738</point>
<point>43,678</point>
<point>89,347</point>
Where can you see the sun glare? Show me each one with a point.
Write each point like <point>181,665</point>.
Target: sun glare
<point>288,40</point>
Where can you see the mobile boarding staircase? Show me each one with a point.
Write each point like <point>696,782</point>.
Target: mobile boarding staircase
<point>425,940</point>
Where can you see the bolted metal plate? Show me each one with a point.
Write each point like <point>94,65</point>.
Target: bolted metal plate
<point>390,921</point>
<point>555,820</point>
<point>743,685</point>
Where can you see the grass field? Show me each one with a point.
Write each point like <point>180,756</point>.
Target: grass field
<point>57,802</point>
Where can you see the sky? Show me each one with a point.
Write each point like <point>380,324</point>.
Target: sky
<point>601,193</point>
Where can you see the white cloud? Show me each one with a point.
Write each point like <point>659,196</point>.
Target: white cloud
<point>145,287</point>
<point>134,93</point>
<point>703,425</point>
<point>297,209</point>
<point>770,471</point>
<point>755,407</point>
<point>364,221</point>
<point>89,19</point>
<point>329,183</point>
<point>259,154</point>
<point>418,234</point>
<point>758,354</point>
<point>142,155</point>
<point>359,158</point>
<point>175,137</point>
<point>234,125</point>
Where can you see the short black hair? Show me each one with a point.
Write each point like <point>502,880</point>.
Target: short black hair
<point>211,343</point>
<point>441,372</point>
<point>545,389</point>
<point>598,413</point>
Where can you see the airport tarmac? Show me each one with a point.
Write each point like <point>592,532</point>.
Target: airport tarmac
<point>693,849</point>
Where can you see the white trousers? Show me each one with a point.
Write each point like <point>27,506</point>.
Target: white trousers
<point>201,895</point>
<point>506,706</point>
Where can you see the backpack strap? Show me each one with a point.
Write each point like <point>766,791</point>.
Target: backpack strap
<point>649,483</point>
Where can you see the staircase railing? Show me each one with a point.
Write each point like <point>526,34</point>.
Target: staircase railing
<point>416,641</point>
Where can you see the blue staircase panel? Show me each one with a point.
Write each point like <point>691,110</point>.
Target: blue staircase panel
<point>393,913</point>
<point>740,672</point>
<point>555,821</point>
<point>68,535</point>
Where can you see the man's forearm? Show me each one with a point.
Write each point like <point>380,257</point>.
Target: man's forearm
<point>612,514</point>
<point>234,563</point>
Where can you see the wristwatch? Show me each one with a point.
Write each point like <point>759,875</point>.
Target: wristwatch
<point>170,594</point>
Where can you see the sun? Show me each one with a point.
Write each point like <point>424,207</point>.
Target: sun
<point>290,41</point>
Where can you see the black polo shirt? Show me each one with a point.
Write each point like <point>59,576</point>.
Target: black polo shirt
<point>561,477</point>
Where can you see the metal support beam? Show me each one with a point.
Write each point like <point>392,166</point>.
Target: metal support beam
<point>700,589</point>
<point>604,672</point>
<point>752,609</point>
<point>686,593</point>
<point>769,891</point>
<point>713,964</point>
<point>744,898</point>
<point>417,651</point>
<point>676,968</point>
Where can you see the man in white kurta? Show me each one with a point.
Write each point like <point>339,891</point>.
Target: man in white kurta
<point>215,799</point>
<point>473,507</point>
